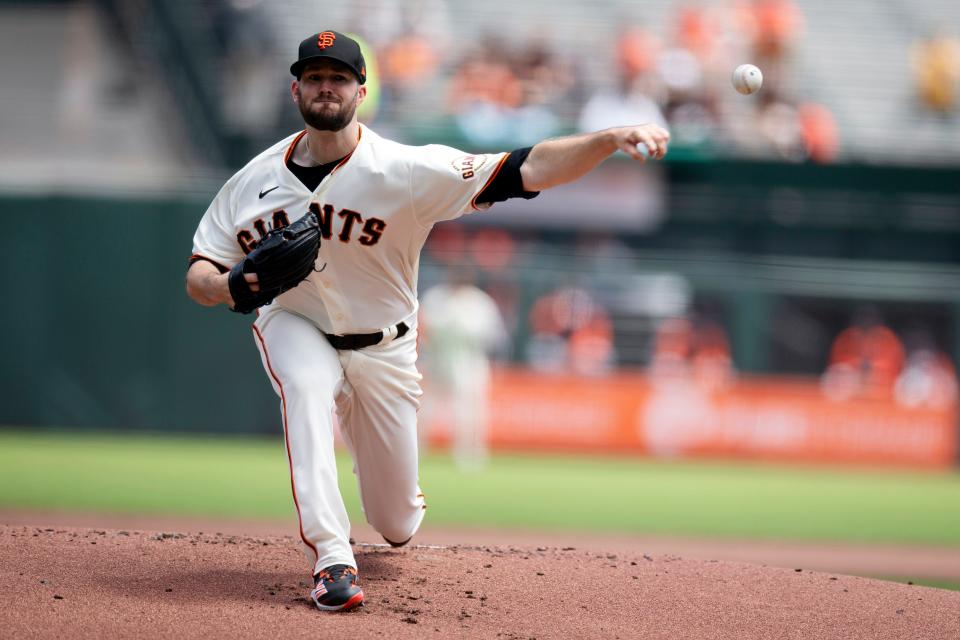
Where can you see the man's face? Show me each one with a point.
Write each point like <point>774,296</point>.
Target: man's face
<point>327,94</point>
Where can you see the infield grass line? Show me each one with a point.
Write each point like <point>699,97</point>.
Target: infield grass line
<point>247,477</point>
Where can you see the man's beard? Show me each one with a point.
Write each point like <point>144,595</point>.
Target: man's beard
<point>329,120</point>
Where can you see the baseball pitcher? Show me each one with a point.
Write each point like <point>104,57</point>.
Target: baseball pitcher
<point>321,235</point>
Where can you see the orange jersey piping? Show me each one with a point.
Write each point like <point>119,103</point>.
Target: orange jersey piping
<point>473,202</point>
<point>350,155</point>
<point>286,439</point>
<point>293,145</point>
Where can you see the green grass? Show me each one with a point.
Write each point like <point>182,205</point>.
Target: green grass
<point>248,478</point>
<point>951,585</point>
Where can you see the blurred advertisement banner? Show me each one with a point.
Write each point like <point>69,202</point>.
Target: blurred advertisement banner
<point>783,420</point>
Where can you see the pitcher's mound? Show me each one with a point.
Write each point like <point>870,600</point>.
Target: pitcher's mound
<point>86,583</point>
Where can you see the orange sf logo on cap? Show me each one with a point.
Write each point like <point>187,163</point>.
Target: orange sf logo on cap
<point>325,39</point>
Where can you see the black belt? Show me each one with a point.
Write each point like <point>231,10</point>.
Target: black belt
<point>354,341</point>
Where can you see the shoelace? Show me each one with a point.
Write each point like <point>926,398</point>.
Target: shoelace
<point>335,574</point>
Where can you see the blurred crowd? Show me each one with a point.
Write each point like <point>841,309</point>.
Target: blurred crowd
<point>870,360</point>
<point>503,92</point>
<point>461,75</point>
<point>935,60</point>
<point>498,90</point>
<point>565,326</point>
<point>682,78</point>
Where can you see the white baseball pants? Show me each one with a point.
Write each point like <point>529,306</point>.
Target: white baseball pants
<point>375,392</point>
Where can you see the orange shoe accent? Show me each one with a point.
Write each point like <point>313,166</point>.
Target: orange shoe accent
<point>353,602</point>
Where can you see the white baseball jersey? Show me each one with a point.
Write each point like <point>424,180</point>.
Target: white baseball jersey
<point>375,209</point>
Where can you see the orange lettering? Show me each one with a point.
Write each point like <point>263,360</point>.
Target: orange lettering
<point>245,238</point>
<point>349,217</point>
<point>372,231</point>
<point>324,217</point>
<point>280,219</point>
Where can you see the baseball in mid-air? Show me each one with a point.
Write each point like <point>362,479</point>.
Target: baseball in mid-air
<point>747,79</point>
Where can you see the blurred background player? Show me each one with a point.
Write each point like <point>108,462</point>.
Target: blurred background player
<point>935,60</point>
<point>571,332</point>
<point>865,359</point>
<point>695,348</point>
<point>460,327</point>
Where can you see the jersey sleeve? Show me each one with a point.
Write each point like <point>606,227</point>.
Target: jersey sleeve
<point>215,239</point>
<point>445,182</point>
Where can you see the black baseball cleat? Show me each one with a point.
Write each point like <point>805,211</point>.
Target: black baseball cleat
<point>335,588</point>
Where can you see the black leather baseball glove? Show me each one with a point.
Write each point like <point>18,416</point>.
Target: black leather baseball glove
<point>281,260</point>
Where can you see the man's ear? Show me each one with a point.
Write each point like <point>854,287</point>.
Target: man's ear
<point>362,94</point>
<point>295,91</point>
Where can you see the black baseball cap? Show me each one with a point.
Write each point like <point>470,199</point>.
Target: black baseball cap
<point>333,45</point>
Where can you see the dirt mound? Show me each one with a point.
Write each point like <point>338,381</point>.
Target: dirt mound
<point>90,583</point>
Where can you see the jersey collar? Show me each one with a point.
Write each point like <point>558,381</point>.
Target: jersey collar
<point>296,140</point>
<point>350,155</point>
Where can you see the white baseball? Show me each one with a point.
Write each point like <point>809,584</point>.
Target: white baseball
<point>747,79</point>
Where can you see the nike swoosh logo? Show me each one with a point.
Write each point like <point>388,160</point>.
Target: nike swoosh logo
<point>263,193</point>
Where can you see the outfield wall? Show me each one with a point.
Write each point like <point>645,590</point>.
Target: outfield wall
<point>760,418</point>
